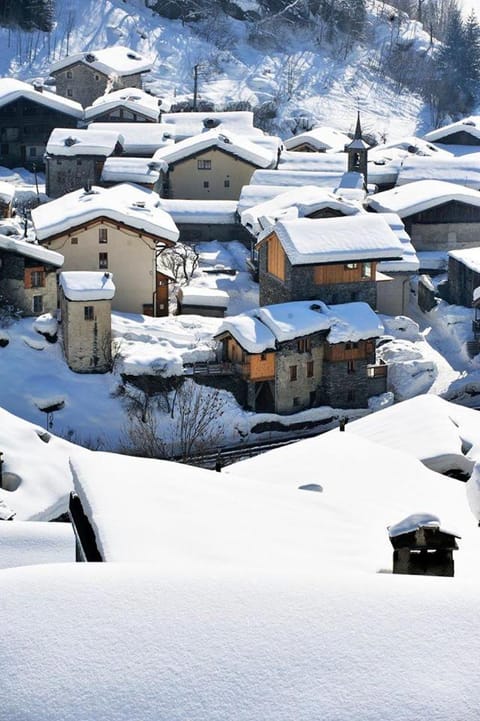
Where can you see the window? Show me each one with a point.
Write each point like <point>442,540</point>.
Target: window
<point>350,345</point>
<point>206,184</point>
<point>32,152</point>
<point>97,77</point>
<point>4,149</point>
<point>37,304</point>
<point>296,401</point>
<point>103,235</point>
<point>350,395</point>
<point>351,366</point>
<point>293,373</point>
<point>366,270</point>
<point>263,357</point>
<point>313,398</point>
<point>204,164</point>
<point>309,369</point>
<point>88,312</point>
<point>9,133</point>
<point>37,279</point>
<point>69,93</point>
<point>59,162</point>
<point>79,162</point>
<point>351,266</point>
<point>304,345</point>
<point>74,241</point>
<point>103,260</point>
<point>69,74</point>
<point>226,183</point>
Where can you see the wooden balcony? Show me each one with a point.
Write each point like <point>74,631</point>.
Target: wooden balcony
<point>377,370</point>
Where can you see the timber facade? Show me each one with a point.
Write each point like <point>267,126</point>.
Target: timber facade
<point>447,226</point>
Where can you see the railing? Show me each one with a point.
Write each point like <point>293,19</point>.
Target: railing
<point>377,370</point>
<point>206,368</point>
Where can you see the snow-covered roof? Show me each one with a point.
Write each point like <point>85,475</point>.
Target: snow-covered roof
<point>421,195</point>
<point>289,177</point>
<point>410,145</point>
<point>237,145</point>
<point>261,329</point>
<point>414,522</point>
<point>296,203</point>
<point>336,240</point>
<point>462,170</point>
<point>427,427</point>
<point>7,192</point>
<point>251,195</point>
<point>71,142</point>
<point>130,170</point>
<point>314,162</point>
<point>134,206</point>
<point>321,138</point>
<point>469,257</point>
<point>211,297</point>
<point>137,138</point>
<point>31,250</point>
<point>470,125</point>
<point>12,89</point>
<point>133,99</point>
<point>409,262</point>
<point>186,125</point>
<point>214,212</point>
<point>117,61</point>
<point>87,285</point>
<point>24,543</point>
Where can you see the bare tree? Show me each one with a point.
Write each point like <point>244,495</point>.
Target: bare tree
<point>180,262</point>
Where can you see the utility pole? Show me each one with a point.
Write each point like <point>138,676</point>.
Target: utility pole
<point>195,87</point>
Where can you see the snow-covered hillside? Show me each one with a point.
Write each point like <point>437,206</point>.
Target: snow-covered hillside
<point>302,80</point>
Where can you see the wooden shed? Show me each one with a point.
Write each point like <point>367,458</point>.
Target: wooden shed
<point>422,547</point>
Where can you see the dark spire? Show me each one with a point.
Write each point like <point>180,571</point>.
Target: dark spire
<point>358,128</point>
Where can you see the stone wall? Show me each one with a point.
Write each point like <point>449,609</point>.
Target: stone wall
<point>86,343</point>
<point>85,84</point>
<point>66,174</point>
<point>462,281</point>
<point>12,286</point>
<point>342,389</point>
<point>445,236</point>
<point>299,284</point>
<point>292,396</point>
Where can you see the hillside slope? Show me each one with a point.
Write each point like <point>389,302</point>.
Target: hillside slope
<point>294,73</point>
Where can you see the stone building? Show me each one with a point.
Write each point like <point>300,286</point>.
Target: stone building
<point>28,275</point>
<point>85,311</point>
<point>437,215</point>
<point>213,165</point>
<point>27,117</point>
<point>294,356</point>
<point>139,141</point>
<point>463,276</point>
<point>118,229</point>
<point>84,77</point>
<point>462,132</point>
<point>75,158</point>
<point>334,259</point>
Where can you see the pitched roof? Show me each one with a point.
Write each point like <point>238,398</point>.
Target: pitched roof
<point>405,200</point>
<point>117,60</point>
<point>337,240</point>
<point>464,170</point>
<point>133,99</point>
<point>12,89</point>
<point>261,329</point>
<point>470,125</point>
<point>31,250</point>
<point>296,203</point>
<point>185,125</point>
<point>129,204</point>
<point>72,142</point>
<point>139,139</point>
<point>87,285</point>
<point>321,138</point>
<point>130,170</point>
<point>236,145</point>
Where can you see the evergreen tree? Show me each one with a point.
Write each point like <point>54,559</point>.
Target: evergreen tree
<point>472,56</point>
<point>453,95</point>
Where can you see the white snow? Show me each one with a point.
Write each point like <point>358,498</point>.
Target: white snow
<point>23,543</point>
<point>202,296</point>
<point>117,61</point>
<point>70,142</point>
<point>87,285</point>
<point>130,170</point>
<point>463,171</point>
<point>322,138</point>
<point>134,100</point>
<point>31,250</point>
<point>186,125</point>
<point>215,212</point>
<point>470,257</point>
<point>12,89</point>
<point>469,125</point>
<point>237,145</point>
<point>330,240</point>
<point>7,192</point>
<point>137,138</point>
<point>130,204</point>
<point>422,195</point>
